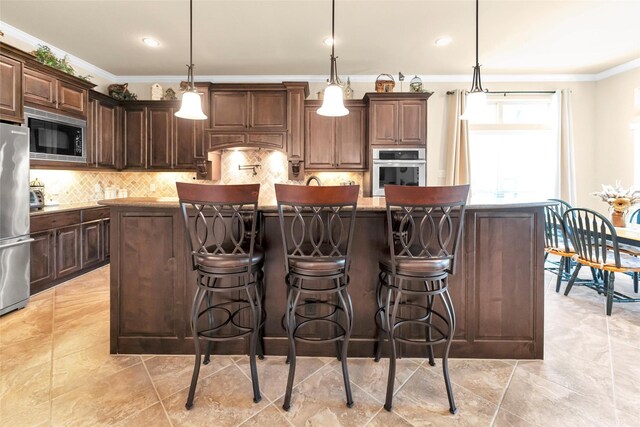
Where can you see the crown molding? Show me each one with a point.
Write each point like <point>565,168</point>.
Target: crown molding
<point>93,70</point>
<point>627,66</point>
<point>96,71</point>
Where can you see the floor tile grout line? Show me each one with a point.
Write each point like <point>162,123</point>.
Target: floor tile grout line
<point>504,393</point>
<point>53,314</point>
<point>166,414</point>
<point>373,417</point>
<point>613,376</point>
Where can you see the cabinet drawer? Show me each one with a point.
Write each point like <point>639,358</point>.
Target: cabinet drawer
<point>95,214</point>
<point>54,220</point>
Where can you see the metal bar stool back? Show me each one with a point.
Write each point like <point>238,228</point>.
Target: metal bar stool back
<point>317,226</point>
<point>220,229</point>
<point>424,225</point>
<point>595,242</point>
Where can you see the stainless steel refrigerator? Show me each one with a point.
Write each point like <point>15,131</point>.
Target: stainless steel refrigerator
<point>14,218</point>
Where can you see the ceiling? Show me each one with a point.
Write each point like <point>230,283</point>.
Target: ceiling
<point>284,37</point>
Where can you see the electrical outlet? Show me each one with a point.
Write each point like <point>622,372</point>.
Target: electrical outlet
<point>442,173</point>
<point>152,187</point>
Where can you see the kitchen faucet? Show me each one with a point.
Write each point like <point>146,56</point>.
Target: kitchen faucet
<point>313,178</point>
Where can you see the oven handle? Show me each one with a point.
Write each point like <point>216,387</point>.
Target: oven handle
<point>399,163</point>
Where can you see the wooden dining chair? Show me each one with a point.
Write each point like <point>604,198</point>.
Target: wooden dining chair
<point>556,242</point>
<point>635,217</point>
<point>595,242</point>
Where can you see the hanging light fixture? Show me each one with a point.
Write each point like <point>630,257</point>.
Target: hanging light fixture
<point>476,97</point>
<point>333,103</point>
<point>191,107</point>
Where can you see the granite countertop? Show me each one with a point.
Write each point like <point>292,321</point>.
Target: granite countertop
<point>64,208</point>
<point>364,203</point>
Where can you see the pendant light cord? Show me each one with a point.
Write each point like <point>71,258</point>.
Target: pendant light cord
<point>190,76</point>
<point>477,63</point>
<point>332,71</point>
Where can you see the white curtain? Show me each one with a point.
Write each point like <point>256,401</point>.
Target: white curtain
<point>457,168</point>
<point>566,186</point>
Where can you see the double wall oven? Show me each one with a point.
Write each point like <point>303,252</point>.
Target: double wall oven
<point>394,166</point>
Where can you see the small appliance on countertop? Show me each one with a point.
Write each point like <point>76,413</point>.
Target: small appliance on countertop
<point>36,194</point>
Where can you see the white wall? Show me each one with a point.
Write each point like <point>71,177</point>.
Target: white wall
<point>615,109</point>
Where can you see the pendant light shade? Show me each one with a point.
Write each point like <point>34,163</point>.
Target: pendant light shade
<point>476,97</point>
<point>191,107</point>
<point>333,102</point>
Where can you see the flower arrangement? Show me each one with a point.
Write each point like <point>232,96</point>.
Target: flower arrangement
<point>618,198</point>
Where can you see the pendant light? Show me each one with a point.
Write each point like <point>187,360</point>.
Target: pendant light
<point>191,107</point>
<point>476,97</point>
<point>333,103</point>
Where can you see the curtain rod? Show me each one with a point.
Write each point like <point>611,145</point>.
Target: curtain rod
<point>506,92</point>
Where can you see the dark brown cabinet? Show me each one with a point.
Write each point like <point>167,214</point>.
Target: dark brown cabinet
<point>397,119</point>
<point>68,255</point>
<point>54,91</point>
<point>335,142</point>
<point>66,244</point>
<point>11,104</point>
<point>103,131</point>
<point>261,111</point>
<point>42,260</point>
<point>154,138</point>
<point>161,138</point>
<point>92,243</point>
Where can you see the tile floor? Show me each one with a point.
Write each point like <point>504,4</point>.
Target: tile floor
<point>55,369</point>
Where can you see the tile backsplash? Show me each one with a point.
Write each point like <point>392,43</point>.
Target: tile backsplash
<point>81,186</point>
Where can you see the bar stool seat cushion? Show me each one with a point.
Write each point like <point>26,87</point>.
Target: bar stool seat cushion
<point>414,266</point>
<point>229,263</point>
<point>317,266</point>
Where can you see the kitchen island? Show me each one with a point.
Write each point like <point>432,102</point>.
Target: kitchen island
<point>497,289</point>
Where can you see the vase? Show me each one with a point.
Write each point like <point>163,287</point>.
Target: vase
<point>618,219</point>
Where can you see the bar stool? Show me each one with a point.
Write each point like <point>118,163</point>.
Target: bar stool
<point>317,226</point>
<point>424,225</point>
<point>220,227</point>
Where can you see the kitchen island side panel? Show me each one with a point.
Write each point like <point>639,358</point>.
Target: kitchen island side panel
<point>497,288</point>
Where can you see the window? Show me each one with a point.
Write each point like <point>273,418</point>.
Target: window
<point>514,150</point>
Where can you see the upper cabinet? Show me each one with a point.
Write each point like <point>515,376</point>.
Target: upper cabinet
<point>260,111</point>
<point>103,129</point>
<point>154,138</point>
<point>335,143</point>
<point>398,118</point>
<point>11,105</point>
<point>258,116</point>
<point>51,90</point>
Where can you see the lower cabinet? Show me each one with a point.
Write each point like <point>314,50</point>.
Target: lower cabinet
<point>66,244</point>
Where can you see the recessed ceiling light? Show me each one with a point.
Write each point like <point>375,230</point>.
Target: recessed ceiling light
<point>150,42</point>
<point>443,41</point>
<point>328,41</point>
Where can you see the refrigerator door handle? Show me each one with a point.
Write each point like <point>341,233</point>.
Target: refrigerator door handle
<point>21,242</point>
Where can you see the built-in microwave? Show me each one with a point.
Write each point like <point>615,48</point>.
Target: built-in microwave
<point>56,137</point>
<point>393,166</point>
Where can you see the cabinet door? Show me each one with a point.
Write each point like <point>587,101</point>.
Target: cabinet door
<point>106,239</point>
<point>268,111</point>
<point>160,136</point>
<point>350,139</point>
<point>42,260</point>
<point>186,143</point>
<point>412,122</point>
<point>135,137</point>
<point>11,90</point>
<point>72,99</point>
<point>229,110</point>
<point>383,124</point>
<point>39,88</point>
<point>91,243</point>
<point>68,251</point>
<point>218,141</point>
<point>319,141</point>
<point>105,135</point>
